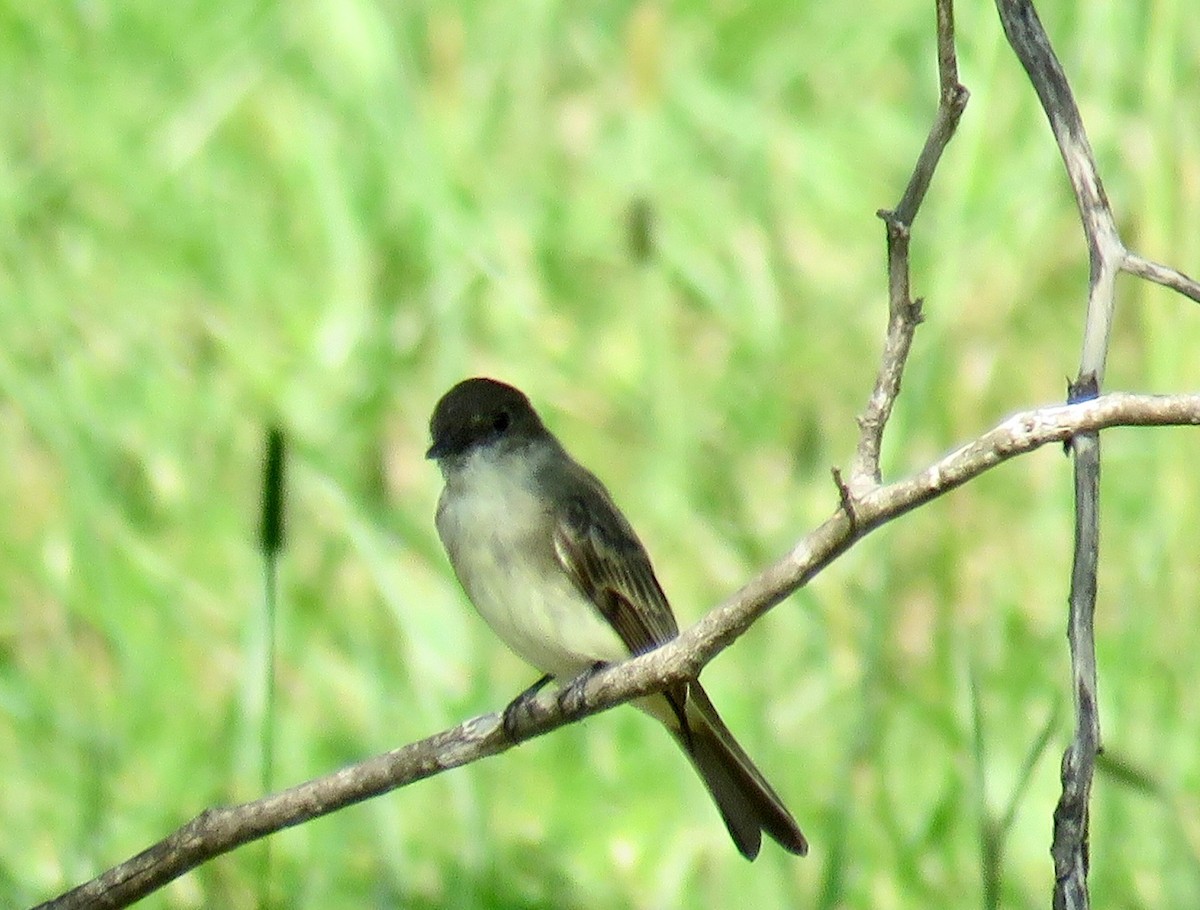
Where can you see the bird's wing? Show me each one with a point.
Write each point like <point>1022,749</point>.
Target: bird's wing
<point>608,564</point>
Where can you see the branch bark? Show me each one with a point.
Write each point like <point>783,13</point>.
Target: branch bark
<point>1107,255</point>
<point>220,830</point>
<point>864,505</point>
<point>904,313</point>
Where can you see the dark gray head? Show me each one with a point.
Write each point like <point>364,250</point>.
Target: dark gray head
<point>479,412</point>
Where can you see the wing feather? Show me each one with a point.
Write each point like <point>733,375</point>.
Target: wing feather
<point>602,555</point>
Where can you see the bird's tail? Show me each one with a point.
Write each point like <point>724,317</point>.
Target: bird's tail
<point>746,801</point>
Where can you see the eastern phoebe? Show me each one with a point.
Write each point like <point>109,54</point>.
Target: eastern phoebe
<point>553,566</point>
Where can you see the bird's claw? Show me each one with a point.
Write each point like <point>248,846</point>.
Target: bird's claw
<point>519,708</point>
<point>570,697</point>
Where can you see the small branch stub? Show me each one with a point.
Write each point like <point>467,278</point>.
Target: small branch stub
<point>846,498</point>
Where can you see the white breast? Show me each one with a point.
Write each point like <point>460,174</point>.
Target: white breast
<point>498,533</point>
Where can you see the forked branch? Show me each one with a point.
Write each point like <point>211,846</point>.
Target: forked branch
<point>219,830</point>
<point>1107,255</point>
<point>904,313</point>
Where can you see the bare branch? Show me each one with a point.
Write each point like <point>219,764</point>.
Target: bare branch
<point>952,100</point>
<point>217,831</point>
<point>1069,848</point>
<point>1106,252</point>
<point>904,314</point>
<point>1107,256</point>
<point>1162,274</point>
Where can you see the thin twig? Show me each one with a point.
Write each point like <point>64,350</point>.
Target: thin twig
<point>1162,274</point>
<point>904,313</point>
<point>217,831</point>
<point>1107,256</point>
<point>1106,253</point>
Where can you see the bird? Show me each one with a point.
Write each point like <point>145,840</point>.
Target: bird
<point>556,570</point>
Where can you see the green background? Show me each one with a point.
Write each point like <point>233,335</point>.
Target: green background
<point>219,216</point>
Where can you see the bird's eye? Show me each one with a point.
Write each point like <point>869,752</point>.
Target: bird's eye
<point>501,421</point>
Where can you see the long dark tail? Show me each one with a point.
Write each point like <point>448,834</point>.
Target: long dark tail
<point>746,801</point>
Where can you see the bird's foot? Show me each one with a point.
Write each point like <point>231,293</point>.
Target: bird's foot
<point>570,698</point>
<point>518,709</point>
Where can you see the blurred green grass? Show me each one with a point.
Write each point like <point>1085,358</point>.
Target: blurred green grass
<point>323,214</point>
